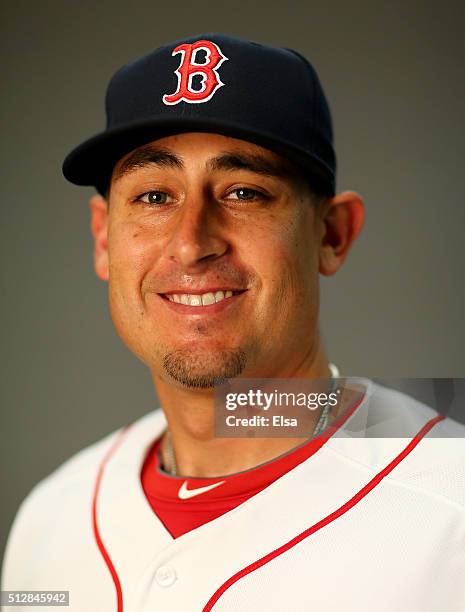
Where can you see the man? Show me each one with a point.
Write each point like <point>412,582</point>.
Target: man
<point>216,214</point>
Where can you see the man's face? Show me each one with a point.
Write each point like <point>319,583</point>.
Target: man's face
<point>198,214</point>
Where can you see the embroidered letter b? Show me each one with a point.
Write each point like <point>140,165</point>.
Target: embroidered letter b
<point>189,68</point>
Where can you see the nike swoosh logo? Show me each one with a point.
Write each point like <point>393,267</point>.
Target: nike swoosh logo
<point>185,493</point>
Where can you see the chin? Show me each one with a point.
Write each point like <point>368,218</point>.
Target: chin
<point>203,369</point>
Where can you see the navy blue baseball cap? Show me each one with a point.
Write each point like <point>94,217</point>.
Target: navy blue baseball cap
<point>214,83</point>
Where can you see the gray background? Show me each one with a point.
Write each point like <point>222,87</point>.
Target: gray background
<point>393,75</point>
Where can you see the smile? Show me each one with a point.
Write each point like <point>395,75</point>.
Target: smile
<point>203,299</point>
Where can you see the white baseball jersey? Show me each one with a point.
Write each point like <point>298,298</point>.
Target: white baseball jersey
<point>365,524</point>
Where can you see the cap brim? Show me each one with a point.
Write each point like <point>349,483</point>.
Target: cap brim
<point>92,162</point>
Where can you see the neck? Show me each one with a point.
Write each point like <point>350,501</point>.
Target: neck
<point>190,417</point>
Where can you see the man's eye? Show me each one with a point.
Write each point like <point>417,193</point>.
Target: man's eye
<point>245,193</point>
<point>153,197</point>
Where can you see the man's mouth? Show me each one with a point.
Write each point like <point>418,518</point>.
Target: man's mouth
<point>201,299</point>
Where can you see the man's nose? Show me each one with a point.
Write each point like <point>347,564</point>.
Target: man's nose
<point>196,236</point>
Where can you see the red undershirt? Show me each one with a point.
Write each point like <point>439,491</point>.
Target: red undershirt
<point>182,514</point>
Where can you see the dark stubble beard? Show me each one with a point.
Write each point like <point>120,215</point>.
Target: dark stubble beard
<point>200,371</point>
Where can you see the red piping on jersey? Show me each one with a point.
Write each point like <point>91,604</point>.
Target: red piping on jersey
<point>325,521</point>
<point>98,539</point>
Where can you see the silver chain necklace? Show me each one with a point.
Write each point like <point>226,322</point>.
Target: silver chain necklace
<point>321,424</point>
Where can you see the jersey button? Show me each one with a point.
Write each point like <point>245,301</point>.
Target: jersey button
<point>165,576</point>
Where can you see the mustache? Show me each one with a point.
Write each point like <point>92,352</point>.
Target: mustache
<point>220,275</point>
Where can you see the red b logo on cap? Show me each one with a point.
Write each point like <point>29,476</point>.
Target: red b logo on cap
<point>189,67</point>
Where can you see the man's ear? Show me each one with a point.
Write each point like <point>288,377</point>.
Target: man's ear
<point>343,219</point>
<point>99,228</point>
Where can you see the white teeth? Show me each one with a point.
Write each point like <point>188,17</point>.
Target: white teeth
<point>207,299</point>
<point>199,300</point>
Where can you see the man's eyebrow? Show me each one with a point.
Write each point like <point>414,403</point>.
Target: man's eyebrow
<point>248,161</point>
<point>148,156</point>
<point>229,160</point>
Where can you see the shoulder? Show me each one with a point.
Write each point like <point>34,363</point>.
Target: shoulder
<point>392,424</point>
<point>66,494</point>
<point>436,465</point>
<point>81,469</point>
<point>389,412</point>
